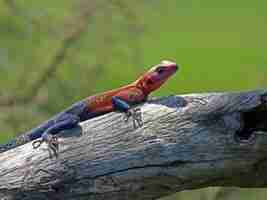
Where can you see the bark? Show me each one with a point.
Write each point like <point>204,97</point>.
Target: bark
<point>187,142</point>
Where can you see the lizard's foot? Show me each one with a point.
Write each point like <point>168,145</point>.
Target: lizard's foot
<point>136,114</point>
<point>51,140</point>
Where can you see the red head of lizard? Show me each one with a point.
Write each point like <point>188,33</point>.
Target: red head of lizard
<point>156,76</point>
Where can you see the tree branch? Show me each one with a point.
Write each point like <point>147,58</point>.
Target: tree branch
<point>17,11</point>
<point>187,142</point>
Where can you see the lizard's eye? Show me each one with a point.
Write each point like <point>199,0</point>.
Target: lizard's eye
<point>160,70</point>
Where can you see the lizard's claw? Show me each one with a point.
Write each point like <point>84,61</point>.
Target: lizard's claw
<point>53,144</point>
<point>37,143</point>
<point>51,140</point>
<point>136,114</point>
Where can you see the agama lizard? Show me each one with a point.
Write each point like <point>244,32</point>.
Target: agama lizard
<point>120,99</point>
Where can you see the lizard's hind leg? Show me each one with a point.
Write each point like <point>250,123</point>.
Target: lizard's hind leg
<point>66,121</point>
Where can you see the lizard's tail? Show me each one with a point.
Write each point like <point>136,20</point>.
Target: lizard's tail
<point>7,146</point>
<point>26,137</point>
<point>20,140</point>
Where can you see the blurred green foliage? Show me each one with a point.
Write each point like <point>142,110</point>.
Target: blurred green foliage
<point>54,53</point>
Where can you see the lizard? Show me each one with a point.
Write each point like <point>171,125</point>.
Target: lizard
<point>121,99</point>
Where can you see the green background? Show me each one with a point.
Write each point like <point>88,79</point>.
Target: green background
<point>53,53</point>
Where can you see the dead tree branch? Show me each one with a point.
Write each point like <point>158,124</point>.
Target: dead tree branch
<point>187,142</point>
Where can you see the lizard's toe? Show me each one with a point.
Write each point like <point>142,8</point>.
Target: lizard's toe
<point>136,115</point>
<point>53,144</point>
<point>51,140</point>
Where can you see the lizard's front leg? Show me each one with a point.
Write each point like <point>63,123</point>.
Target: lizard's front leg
<point>122,106</point>
<point>66,121</point>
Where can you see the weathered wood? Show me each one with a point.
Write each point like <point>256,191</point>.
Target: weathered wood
<point>187,142</point>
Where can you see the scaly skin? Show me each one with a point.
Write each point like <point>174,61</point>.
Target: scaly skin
<point>119,99</point>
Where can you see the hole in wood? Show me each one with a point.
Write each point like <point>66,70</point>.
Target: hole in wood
<point>253,120</point>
